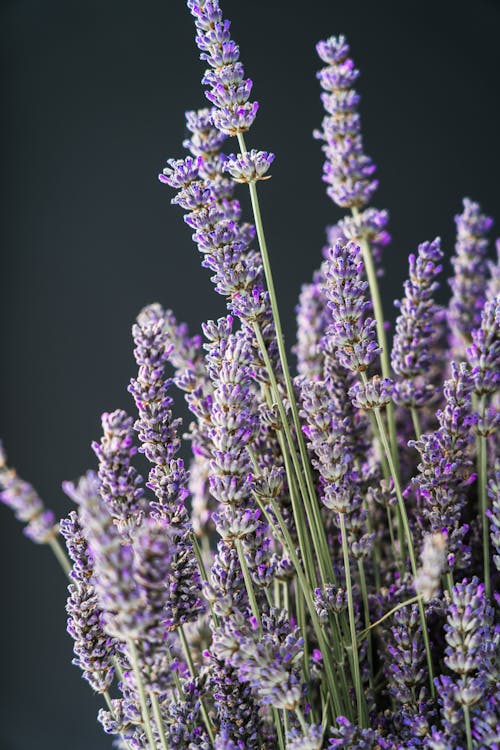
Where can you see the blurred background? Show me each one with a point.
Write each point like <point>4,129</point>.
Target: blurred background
<point>93,99</point>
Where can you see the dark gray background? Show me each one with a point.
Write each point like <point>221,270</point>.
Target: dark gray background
<point>93,95</point>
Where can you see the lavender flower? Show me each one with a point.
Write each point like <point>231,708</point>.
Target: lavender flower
<point>433,556</point>
<point>347,170</point>
<point>312,321</point>
<point>229,89</point>
<point>348,736</point>
<point>370,225</point>
<point>494,513</point>
<point>120,484</point>
<point>238,715</point>
<point>484,354</point>
<point>249,167</point>
<point>312,739</point>
<point>118,593</point>
<point>405,667</point>
<point>416,331</point>
<point>93,648</point>
<point>23,499</point>
<point>469,280</point>
<point>469,641</point>
<point>272,665</point>
<point>446,467</point>
<point>352,334</point>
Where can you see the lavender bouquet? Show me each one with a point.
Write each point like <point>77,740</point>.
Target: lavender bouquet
<point>324,572</point>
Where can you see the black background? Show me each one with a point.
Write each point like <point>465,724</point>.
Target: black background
<point>93,95</point>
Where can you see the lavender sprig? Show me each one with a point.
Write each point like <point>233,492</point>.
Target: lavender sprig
<point>470,273</point>
<point>347,170</point>
<point>412,352</point>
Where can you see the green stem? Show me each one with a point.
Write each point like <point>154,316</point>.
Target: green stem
<point>364,596</point>
<point>352,625</point>
<point>313,509</point>
<point>158,720</point>
<point>146,719</point>
<point>378,310</point>
<point>288,544</point>
<point>248,583</point>
<point>365,632</point>
<point>60,554</point>
<point>416,422</point>
<point>468,730</point>
<point>302,721</point>
<point>482,472</point>
<point>409,543</point>
<point>192,671</point>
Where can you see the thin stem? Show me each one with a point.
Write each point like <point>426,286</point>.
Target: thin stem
<point>302,721</point>
<point>364,596</point>
<point>289,545</point>
<point>378,310</point>
<point>409,543</point>
<point>192,671</point>
<point>309,489</point>
<point>203,571</point>
<point>146,719</point>
<point>62,558</point>
<point>352,624</point>
<point>468,730</point>
<point>416,422</point>
<point>248,583</point>
<point>158,720</point>
<point>482,471</point>
<point>365,632</point>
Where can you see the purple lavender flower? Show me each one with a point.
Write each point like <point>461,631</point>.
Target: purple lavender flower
<point>120,484</point>
<point>238,715</point>
<point>374,394</point>
<point>23,499</point>
<point>494,513</point>
<point>445,466</point>
<point>272,664</point>
<point>370,225</point>
<point>167,573</point>
<point>351,737</point>
<point>93,648</point>
<point>469,638</point>
<point>229,89</point>
<point>347,170</point>
<point>493,283</point>
<point>156,427</point>
<point>312,320</point>
<point>405,668</point>
<point>484,354</point>
<point>312,739</point>
<point>469,280</point>
<point>119,595</point>
<point>352,334</point>
<point>249,167</point>
<point>412,355</point>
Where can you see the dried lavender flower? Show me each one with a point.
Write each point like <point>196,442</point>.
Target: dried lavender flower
<point>93,648</point>
<point>120,483</point>
<point>470,273</point>
<point>433,563</point>
<point>484,353</point>
<point>23,499</point>
<point>249,167</point>
<point>412,355</point>
<point>347,170</point>
<point>229,89</point>
<point>352,334</point>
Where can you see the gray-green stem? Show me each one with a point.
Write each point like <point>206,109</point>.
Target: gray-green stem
<point>360,702</point>
<point>409,543</point>
<point>158,720</point>
<point>146,719</point>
